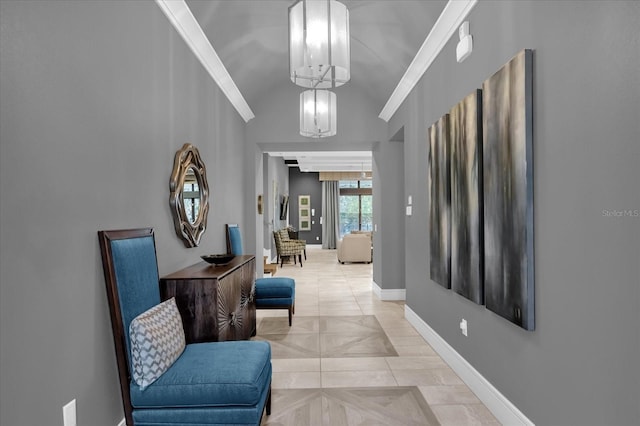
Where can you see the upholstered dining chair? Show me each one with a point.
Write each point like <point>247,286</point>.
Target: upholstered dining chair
<point>163,379</point>
<point>293,235</point>
<point>286,247</point>
<point>271,293</point>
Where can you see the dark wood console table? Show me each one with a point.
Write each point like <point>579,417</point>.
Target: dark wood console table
<point>216,302</point>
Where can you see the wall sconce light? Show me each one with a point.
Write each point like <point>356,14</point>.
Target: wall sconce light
<point>465,45</point>
<point>318,113</point>
<point>319,44</point>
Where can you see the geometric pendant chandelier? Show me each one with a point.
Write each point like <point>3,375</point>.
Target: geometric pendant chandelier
<point>319,44</point>
<point>318,113</point>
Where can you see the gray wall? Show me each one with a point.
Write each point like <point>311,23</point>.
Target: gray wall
<point>388,215</point>
<point>357,119</point>
<point>278,173</point>
<point>306,183</point>
<point>580,365</point>
<point>95,99</point>
<point>95,96</point>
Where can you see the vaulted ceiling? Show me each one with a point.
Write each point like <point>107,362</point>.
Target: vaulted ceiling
<point>251,39</point>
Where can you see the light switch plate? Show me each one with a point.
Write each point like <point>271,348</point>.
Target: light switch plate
<point>69,414</point>
<point>463,327</point>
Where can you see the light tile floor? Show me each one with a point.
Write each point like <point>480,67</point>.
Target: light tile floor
<point>344,337</point>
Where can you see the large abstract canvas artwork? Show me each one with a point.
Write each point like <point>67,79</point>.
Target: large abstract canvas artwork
<point>439,203</point>
<point>465,123</point>
<point>508,191</point>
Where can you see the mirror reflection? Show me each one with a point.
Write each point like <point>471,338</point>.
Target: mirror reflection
<point>191,195</point>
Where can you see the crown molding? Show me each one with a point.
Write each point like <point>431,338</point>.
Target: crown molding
<point>447,24</point>
<point>185,23</point>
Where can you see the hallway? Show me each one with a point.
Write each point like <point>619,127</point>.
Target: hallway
<point>351,359</point>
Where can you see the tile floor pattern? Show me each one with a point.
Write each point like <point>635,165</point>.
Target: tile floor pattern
<point>351,359</point>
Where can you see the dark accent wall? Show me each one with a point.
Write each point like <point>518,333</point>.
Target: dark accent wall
<point>306,183</point>
<point>580,365</point>
<point>95,99</point>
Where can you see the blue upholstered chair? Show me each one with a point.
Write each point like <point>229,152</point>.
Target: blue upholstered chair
<point>271,293</point>
<point>212,383</point>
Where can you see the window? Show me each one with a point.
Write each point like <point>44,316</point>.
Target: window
<point>191,199</point>
<point>356,206</point>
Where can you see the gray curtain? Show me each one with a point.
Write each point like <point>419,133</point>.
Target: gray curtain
<point>330,215</point>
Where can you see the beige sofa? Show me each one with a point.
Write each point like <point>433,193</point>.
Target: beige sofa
<point>354,248</point>
<point>367,233</point>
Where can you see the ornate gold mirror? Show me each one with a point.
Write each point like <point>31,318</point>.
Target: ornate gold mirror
<point>189,197</point>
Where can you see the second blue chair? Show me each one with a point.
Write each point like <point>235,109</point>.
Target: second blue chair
<point>271,293</point>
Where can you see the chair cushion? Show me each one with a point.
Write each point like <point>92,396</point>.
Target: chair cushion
<point>279,302</point>
<point>157,340</point>
<point>284,234</point>
<point>136,269</point>
<point>275,287</point>
<point>214,374</point>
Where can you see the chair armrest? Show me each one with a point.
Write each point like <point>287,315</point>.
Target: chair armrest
<point>300,243</point>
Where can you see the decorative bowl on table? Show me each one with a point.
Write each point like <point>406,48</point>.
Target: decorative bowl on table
<point>218,259</point>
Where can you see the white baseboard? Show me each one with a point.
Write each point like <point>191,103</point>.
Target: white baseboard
<point>498,404</point>
<point>389,293</point>
<point>123,422</point>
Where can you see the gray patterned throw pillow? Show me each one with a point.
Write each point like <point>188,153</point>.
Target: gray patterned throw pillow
<point>157,340</point>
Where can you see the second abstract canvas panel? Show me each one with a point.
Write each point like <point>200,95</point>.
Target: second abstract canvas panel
<point>465,122</point>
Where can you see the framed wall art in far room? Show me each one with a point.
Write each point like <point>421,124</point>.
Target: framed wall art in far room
<point>284,207</point>
<point>304,213</point>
